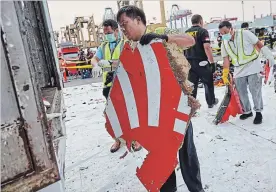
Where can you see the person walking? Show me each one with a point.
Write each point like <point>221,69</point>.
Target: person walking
<point>132,21</point>
<point>272,37</point>
<point>219,40</point>
<point>201,59</point>
<point>107,56</point>
<point>242,47</point>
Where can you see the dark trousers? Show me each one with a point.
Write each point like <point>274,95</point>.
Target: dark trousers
<point>219,44</point>
<point>271,42</point>
<point>206,76</point>
<point>106,91</point>
<point>189,166</point>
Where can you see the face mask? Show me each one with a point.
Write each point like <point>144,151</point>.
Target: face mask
<point>110,37</point>
<point>227,36</point>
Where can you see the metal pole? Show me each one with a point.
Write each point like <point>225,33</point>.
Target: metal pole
<point>175,24</point>
<point>242,11</point>
<point>186,21</point>
<point>254,13</point>
<point>270,7</point>
<point>162,10</point>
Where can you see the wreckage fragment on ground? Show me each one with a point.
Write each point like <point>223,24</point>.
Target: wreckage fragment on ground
<point>230,105</point>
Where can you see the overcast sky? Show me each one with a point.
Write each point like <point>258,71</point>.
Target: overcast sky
<point>63,12</point>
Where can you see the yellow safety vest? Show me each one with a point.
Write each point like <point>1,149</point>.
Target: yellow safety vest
<point>240,58</point>
<point>107,55</point>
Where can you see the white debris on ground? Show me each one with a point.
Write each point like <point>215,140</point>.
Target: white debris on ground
<point>236,156</point>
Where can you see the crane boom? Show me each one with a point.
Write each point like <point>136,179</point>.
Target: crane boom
<point>137,3</point>
<point>162,10</point>
<point>108,14</point>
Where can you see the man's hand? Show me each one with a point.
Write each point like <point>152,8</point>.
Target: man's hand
<point>208,51</point>
<point>147,38</point>
<point>104,63</point>
<point>225,75</point>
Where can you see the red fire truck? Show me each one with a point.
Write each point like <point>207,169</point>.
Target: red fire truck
<point>68,56</point>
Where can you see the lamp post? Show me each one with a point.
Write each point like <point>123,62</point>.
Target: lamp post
<point>270,2</point>
<point>242,11</point>
<point>254,16</point>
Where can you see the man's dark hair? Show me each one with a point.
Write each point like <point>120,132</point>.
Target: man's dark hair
<point>110,22</point>
<point>244,25</point>
<point>132,12</point>
<point>225,24</point>
<point>196,19</point>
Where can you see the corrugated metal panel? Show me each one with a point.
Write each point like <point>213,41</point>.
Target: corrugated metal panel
<point>15,156</point>
<point>29,63</point>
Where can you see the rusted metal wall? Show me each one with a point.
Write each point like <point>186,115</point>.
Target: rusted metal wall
<point>35,26</point>
<point>14,152</point>
<point>28,63</point>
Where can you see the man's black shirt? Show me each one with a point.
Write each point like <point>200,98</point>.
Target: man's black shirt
<point>197,51</point>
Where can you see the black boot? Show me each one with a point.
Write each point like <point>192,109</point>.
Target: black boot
<point>215,103</point>
<point>245,116</point>
<point>258,119</point>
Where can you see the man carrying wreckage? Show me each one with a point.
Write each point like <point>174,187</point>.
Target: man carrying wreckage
<point>243,47</point>
<point>107,56</point>
<point>132,21</point>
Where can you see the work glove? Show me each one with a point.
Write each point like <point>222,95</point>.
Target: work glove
<point>96,70</point>
<point>225,76</point>
<point>147,38</point>
<point>105,63</point>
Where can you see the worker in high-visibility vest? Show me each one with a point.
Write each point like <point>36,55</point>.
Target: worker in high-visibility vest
<point>243,47</point>
<point>132,21</point>
<point>107,57</point>
<point>272,37</point>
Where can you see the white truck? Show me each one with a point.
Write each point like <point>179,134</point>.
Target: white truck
<point>32,138</point>
<point>214,33</point>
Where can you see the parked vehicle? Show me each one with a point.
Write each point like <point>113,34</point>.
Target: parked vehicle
<point>214,33</point>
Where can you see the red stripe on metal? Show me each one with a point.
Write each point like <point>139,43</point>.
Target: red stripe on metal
<point>162,142</point>
<point>118,100</point>
<point>136,74</point>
